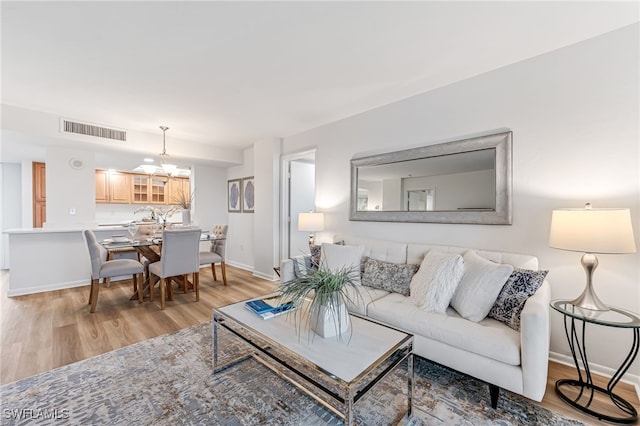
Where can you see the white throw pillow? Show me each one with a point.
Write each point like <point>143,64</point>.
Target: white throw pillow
<point>335,256</point>
<point>480,286</point>
<point>435,282</point>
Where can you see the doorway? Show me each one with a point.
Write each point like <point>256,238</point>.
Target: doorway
<point>298,196</point>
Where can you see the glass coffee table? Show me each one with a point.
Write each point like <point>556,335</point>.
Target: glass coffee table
<point>337,372</point>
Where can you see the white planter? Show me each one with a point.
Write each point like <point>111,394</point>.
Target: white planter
<point>329,321</point>
<point>186,217</point>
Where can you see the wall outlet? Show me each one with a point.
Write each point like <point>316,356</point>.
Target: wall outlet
<point>72,210</point>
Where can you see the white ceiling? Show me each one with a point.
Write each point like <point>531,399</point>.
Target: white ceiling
<point>229,74</point>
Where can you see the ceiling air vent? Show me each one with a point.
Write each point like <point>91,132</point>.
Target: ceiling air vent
<point>92,130</point>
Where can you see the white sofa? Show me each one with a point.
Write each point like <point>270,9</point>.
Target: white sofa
<point>488,350</point>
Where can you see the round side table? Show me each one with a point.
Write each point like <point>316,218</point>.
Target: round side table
<point>583,389</point>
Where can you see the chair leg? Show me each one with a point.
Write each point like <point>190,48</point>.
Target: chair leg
<point>162,290</point>
<point>184,283</point>
<point>213,271</point>
<point>95,287</point>
<point>224,273</point>
<point>169,284</point>
<point>139,286</point>
<point>90,291</point>
<point>152,284</point>
<point>196,285</point>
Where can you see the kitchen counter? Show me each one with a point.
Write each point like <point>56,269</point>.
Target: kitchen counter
<point>45,259</point>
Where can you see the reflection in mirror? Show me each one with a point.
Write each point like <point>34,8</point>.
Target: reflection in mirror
<point>467,181</point>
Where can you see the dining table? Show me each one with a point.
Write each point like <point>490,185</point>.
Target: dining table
<point>151,249</point>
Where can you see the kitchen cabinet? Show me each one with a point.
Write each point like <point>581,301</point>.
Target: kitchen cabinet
<point>113,187</point>
<point>176,188</point>
<point>149,189</point>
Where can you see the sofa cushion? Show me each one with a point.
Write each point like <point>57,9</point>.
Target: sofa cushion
<point>521,285</point>
<point>359,298</point>
<point>479,287</point>
<point>435,282</point>
<point>335,257</point>
<point>488,337</point>
<point>393,277</point>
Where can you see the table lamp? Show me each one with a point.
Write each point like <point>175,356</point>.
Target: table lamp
<point>592,231</point>
<point>311,222</point>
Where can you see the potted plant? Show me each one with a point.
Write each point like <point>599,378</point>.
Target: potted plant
<point>320,296</point>
<point>184,200</point>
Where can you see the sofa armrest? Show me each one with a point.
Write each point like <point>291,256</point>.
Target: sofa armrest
<point>534,342</point>
<point>287,270</point>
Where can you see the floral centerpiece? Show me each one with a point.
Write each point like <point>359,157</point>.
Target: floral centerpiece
<point>327,293</point>
<point>159,214</point>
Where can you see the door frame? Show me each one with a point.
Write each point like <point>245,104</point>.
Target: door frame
<point>285,188</point>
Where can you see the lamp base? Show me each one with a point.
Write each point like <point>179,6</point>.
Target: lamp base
<point>588,299</point>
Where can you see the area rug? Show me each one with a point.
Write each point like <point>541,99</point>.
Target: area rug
<point>168,380</point>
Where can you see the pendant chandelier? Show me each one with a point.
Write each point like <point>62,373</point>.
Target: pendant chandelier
<point>169,168</point>
<point>166,167</point>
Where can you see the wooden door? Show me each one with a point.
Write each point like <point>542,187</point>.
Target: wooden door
<point>102,186</point>
<point>39,194</point>
<point>119,188</point>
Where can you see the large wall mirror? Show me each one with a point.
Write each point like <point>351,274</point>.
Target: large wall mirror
<point>464,181</point>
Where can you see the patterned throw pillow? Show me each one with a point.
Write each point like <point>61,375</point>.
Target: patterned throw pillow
<point>521,285</point>
<point>393,277</point>
<point>315,255</point>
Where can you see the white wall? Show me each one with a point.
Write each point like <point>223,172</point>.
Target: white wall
<point>266,217</point>
<point>241,225</point>
<point>10,213</point>
<point>73,188</point>
<point>209,185</point>
<point>574,115</point>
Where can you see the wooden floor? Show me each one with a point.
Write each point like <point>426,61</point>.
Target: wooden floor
<point>47,330</point>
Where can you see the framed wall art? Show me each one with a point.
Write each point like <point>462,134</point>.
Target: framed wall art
<point>234,195</point>
<point>248,194</point>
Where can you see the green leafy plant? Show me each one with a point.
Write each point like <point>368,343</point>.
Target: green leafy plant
<point>322,288</point>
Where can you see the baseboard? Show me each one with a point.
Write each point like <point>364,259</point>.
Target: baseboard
<point>50,287</point>
<point>264,276</point>
<point>240,266</point>
<point>601,370</point>
<point>269,277</point>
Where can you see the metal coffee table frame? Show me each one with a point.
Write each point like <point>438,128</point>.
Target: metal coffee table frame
<point>336,394</point>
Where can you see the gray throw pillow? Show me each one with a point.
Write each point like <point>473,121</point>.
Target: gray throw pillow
<point>393,277</point>
<point>521,285</point>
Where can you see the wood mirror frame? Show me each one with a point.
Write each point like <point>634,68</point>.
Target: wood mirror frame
<point>499,214</point>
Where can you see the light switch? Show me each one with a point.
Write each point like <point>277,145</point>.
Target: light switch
<point>72,210</point>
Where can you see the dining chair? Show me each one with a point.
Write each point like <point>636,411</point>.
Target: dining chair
<point>101,268</point>
<point>178,258</point>
<point>216,253</point>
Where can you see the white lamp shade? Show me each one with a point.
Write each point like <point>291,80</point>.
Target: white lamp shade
<point>310,222</point>
<point>592,230</point>
<point>148,168</point>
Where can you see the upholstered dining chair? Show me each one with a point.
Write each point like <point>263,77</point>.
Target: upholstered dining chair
<point>216,253</point>
<point>101,268</point>
<point>178,258</point>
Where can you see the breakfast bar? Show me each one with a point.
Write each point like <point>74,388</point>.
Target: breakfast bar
<point>43,259</point>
